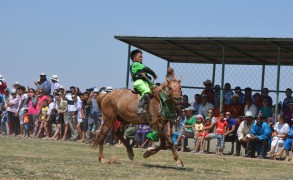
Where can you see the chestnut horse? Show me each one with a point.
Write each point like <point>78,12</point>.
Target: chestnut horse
<point>122,104</point>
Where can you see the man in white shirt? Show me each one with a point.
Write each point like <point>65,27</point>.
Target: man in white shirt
<point>70,117</point>
<point>243,132</point>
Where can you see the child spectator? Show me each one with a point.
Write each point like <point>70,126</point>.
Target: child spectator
<point>221,128</point>
<point>42,117</point>
<point>26,123</point>
<point>201,136</point>
<point>198,128</point>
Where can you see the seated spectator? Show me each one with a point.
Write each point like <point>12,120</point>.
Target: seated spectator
<point>240,94</point>
<point>208,91</point>
<point>243,132</point>
<point>188,124</point>
<point>247,94</point>
<point>258,140</point>
<point>288,145</point>
<point>235,108</point>
<point>249,106</point>
<point>289,114</point>
<point>227,94</point>
<point>203,110</point>
<point>170,73</point>
<point>184,103</point>
<point>271,120</point>
<point>217,94</point>
<point>281,130</point>
<point>198,127</point>
<point>230,135</point>
<point>220,131</point>
<point>238,145</point>
<point>266,109</point>
<point>288,99</point>
<point>217,109</point>
<point>140,135</point>
<point>200,137</point>
<point>257,100</point>
<point>265,95</point>
<point>197,103</point>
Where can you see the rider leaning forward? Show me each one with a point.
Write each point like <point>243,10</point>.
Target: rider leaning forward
<point>140,76</point>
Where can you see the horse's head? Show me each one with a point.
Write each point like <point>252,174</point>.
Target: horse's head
<point>173,88</point>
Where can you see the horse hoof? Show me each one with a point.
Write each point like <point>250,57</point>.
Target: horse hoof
<point>104,161</point>
<point>130,156</point>
<point>179,163</point>
<point>147,154</point>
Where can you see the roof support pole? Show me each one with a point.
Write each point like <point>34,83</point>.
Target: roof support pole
<point>128,64</point>
<point>168,65</point>
<point>263,76</point>
<point>278,83</point>
<point>222,80</point>
<point>214,74</point>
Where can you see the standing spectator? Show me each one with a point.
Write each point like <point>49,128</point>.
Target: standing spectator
<point>3,84</point>
<point>85,115</point>
<point>12,107</point>
<point>217,95</point>
<point>95,113</point>
<point>43,83</point>
<point>55,82</point>
<point>50,115</point>
<point>288,99</point>
<point>61,107</point>
<point>185,103</point>
<point>197,103</point>
<point>140,135</point>
<point>241,95</point>
<point>259,136</point>
<point>289,114</point>
<point>16,85</point>
<point>243,132</point>
<point>42,118</point>
<point>7,97</point>
<point>265,95</point>
<point>266,109</point>
<point>70,118</point>
<point>23,104</point>
<point>203,110</point>
<point>235,107</point>
<point>32,107</point>
<point>78,104</point>
<point>228,93</point>
<point>208,91</point>
<point>247,93</point>
<point>249,106</point>
<point>257,100</point>
<point>26,123</point>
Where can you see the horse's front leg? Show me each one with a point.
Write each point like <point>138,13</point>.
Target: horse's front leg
<point>179,163</point>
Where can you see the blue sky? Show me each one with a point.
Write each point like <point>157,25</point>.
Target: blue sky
<point>75,39</point>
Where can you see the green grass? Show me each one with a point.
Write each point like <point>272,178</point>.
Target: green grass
<point>45,159</point>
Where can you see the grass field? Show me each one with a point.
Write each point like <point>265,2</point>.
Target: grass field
<point>46,159</point>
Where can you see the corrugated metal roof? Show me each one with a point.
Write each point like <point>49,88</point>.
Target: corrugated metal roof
<point>209,50</point>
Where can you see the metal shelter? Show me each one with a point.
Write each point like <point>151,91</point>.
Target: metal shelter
<point>217,50</point>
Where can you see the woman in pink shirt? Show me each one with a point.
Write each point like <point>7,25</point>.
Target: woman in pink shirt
<point>32,105</point>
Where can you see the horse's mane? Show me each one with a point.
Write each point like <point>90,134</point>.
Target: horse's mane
<point>100,98</point>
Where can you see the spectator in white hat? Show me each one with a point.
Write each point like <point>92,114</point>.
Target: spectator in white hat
<point>3,85</point>
<point>109,89</point>
<point>55,82</point>
<point>44,84</point>
<point>16,85</point>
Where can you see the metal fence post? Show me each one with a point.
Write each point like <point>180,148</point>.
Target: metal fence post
<point>128,64</point>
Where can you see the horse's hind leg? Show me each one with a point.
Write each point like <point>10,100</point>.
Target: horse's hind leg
<point>126,144</point>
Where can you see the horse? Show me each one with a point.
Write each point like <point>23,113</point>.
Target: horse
<point>121,104</point>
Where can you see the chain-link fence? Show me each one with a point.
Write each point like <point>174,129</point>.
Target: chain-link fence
<point>193,76</point>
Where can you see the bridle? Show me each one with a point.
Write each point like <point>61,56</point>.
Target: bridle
<point>170,92</point>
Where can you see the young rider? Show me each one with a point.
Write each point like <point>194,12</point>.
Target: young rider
<point>139,73</point>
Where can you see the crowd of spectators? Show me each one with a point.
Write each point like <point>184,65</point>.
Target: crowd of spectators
<point>50,111</point>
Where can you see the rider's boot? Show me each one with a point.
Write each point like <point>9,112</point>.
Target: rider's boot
<point>143,103</point>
